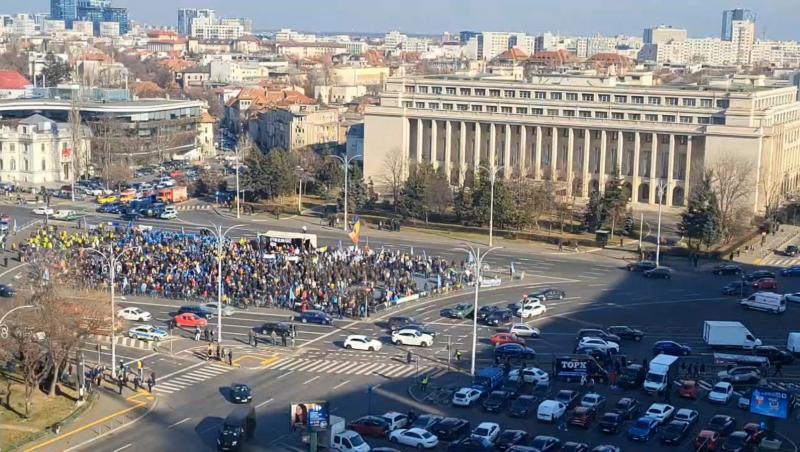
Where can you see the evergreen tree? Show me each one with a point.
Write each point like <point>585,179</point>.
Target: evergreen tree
<point>55,71</point>
<point>462,203</point>
<point>356,190</point>
<point>699,222</point>
<point>414,191</point>
<point>595,214</point>
<point>615,200</point>
<point>504,211</point>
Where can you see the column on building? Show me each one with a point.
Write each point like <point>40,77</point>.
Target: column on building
<point>462,151</point>
<point>570,155</point>
<point>687,173</point>
<point>537,159</point>
<point>620,141</point>
<point>406,145</point>
<point>507,153</point>
<point>587,133</point>
<point>601,177</point>
<point>670,168</point>
<point>653,160</point>
<point>448,142</point>
<point>420,125</point>
<point>492,146</point>
<point>523,145</point>
<point>476,161</point>
<point>554,154</point>
<point>434,144</point>
<point>637,148</point>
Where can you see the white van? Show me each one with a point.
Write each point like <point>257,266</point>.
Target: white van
<point>793,343</point>
<point>550,411</point>
<point>765,301</point>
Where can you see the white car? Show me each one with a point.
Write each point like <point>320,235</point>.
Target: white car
<point>660,411</point>
<point>535,375</point>
<point>226,310</point>
<point>487,431</point>
<point>63,214</point>
<point>412,337</point>
<point>395,420</point>
<point>721,392</point>
<point>466,396</point>
<point>169,213</point>
<point>794,297</point>
<point>134,314</point>
<point>532,308</point>
<point>550,411</point>
<point>686,415</point>
<point>43,211</point>
<point>596,342</point>
<point>414,437</point>
<point>147,333</point>
<point>522,330</point>
<point>593,400</point>
<point>359,342</point>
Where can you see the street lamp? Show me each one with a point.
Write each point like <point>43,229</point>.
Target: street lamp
<point>220,235</point>
<point>346,164</point>
<point>662,187</point>
<point>478,258</point>
<point>492,170</point>
<point>112,260</point>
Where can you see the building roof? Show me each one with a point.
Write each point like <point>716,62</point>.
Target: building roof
<point>513,54</point>
<point>606,58</point>
<point>35,120</point>
<point>552,57</point>
<point>13,80</point>
<point>206,118</point>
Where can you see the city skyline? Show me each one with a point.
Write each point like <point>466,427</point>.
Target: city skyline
<point>775,19</point>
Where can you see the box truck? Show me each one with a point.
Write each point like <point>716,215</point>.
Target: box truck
<point>793,343</point>
<point>659,373</point>
<point>720,334</point>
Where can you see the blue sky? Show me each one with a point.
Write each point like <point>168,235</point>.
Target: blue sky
<point>779,19</point>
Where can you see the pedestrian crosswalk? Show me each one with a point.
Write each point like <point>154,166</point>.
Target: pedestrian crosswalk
<point>194,207</point>
<point>184,380</point>
<point>780,261</point>
<point>383,369</point>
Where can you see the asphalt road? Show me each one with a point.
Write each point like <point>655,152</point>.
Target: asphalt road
<point>192,393</point>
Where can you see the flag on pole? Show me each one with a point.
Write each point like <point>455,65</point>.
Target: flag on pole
<point>424,255</point>
<point>438,281</point>
<point>355,235</point>
<point>340,245</point>
<point>412,250</point>
<point>512,268</point>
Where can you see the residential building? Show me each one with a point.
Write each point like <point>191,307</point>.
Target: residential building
<point>206,144</point>
<point>295,127</point>
<point>83,27</point>
<point>732,15</point>
<point>663,34</point>
<point>37,151</point>
<point>54,26</point>
<point>489,44</point>
<point>222,71</point>
<point>339,94</point>
<point>287,34</point>
<point>109,29</point>
<point>309,50</point>
<point>24,25</point>
<point>13,85</point>
<point>578,131</point>
<point>204,28</point>
<point>351,75</point>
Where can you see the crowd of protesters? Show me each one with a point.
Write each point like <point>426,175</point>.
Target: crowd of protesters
<point>341,280</point>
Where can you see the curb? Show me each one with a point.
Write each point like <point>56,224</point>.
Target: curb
<point>69,420</point>
<point>116,429</point>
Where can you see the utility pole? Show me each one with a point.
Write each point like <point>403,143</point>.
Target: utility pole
<point>221,235</point>
<point>492,171</point>
<point>345,160</point>
<point>660,192</point>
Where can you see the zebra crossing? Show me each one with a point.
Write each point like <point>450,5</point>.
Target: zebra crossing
<point>326,366</point>
<point>780,261</point>
<point>194,207</point>
<point>174,384</point>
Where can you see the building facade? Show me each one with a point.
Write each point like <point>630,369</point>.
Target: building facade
<point>579,131</point>
<point>730,16</point>
<point>295,127</point>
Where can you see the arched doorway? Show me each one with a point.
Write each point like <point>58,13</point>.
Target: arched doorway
<point>627,189</point>
<point>677,196</point>
<point>594,185</point>
<point>644,192</point>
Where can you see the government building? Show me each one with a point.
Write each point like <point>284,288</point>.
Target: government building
<point>578,131</point>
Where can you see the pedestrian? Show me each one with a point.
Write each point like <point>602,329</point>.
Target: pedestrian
<point>458,356</point>
<point>205,334</point>
<point>250,337</point>
<point>283,339</point>
<point>153,377</point>
<point>230,357</point>
<point>730,257</point>
<point>274,338</point>
<point>150,385</point>
<point>591,384</point>
<point>211,334</point>
<point>583,383</point>
<point>424,383</point>
<point>197,334</point>
<point>136,382</point>
<point>120,384</point>
<point>612,379</point>
<point>408,358</point>
<point>210,353</point>
<point>778,369</point>
<point>140,366</point>
<point>219,353</point>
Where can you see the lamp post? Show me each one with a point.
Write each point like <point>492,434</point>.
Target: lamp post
<point>660,189</point>
<point>492,171</point>
<point>220,234</point>
<point>112,260</point>
<point>478,259</point>
<point>346,164</point>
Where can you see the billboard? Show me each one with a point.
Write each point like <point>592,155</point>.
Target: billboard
<point>770,402</point>
<point>310,415</point>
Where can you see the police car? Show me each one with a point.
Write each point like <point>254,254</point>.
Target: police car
<point>147,333</point>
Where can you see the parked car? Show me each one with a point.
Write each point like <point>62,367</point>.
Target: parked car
<point>568,397</point>
<point>765,284</point>
<point>687,415</point>
<point>425,421</point>
<point>523,330</point>
<point>594,401</point>
<point>661,411</point>
<point>414,437</point>
<point>488,431</point>
<point>395,420</point>
<point>741,374</point>
<point>596,342</point>
<point>689,389</point>
<point>631,377</point>
<point>774,354</point>
<point>545,443</point>
<point>674,432</point>
<point>738,441</point>
<point>498,317</point>
<point>721,393</point>
<point>550,410</point>
<point>571,446</point>
<point>643,429</point>
<point>626,332</point>
<point>466,396</point>
<point>582,417</point>
<point>611,422</point>
<point>594,332</point>
<point>509,437</point>
<point>707,440</point>
<point>722,424</point>
<point>522,406</point>
<point>451,429</point>
<point>628,407</point>
<point>758,274</point>
<point>496,401</point>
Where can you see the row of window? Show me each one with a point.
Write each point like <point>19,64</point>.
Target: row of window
<point>26,165</point>
<point>567,113</point>
<point>569,96</point>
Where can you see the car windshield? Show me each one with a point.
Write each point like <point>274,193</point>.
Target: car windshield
<point>642,423</point>
<point>674,428</point>
<point>654,378</point>
<point>480,431</point>
<point>426,435</point>
<point>356,440</point>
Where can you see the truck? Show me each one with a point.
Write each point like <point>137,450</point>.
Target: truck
<point>659,373</point>
<point>722,334</point>
<point>488,378</point>
<point>337,437</point>
<point>173,195</point>
<point>574,367</point>
<point>793,343</point>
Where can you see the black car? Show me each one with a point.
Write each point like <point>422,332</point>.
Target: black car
<point>512,388</point>
<point>631,377</point>
<point>674,432</point>
<point>522,406</point>
<point>241,393</point>
<point>791,251</point>
<point>317,317</point>
<point>7,291</point>
<point>726,269</point>
<point>545,443</point>
<point>279,328</point>
<point>640,266</point>
<point>601,356</point>
<point>721,424</point>
<point>737,287</point>
<point>738,441</point>
<point>658,273</point>
<point>498,317</point>
<point>568,397</point>
<point>628,407</point>
<point>486,311</point>
<point>774,354</point>
<point>611,422</point>
<point>548,294</point>
<point>459,311</point>
<point>451,429</point>
<point>495,402</point>
<point>514,351</point>
<point>508,438</point>
<point>626,332</point>
<point>471,444</point>
<point>571,446</point>
<point>425,421</point>
<point>399,322</point>
<point>591,332</point>
<point>199,311</point>
<point>758,274</point>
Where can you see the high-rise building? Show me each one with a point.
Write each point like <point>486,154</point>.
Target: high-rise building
<point>66,10</point>
<point>663,34</point>
<point>187,15</point>
<point>731,15</point>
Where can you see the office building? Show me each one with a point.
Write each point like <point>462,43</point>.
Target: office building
<point>94,11</point>
<point>663,34</point>
<point>66,10</point>
<point>186,15</point>
<point>732,15</point>
<point>577,131</point>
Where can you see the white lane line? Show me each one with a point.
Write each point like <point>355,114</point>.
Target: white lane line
<point>266,402</point>
<point>359,367</point>
<point>341,384</point>
<point>370,369</point>
<point>179,422</point>
<point>341,368</point>
<point>123,447</point>
<point>179,371</point>
<point>311,379</point>
<point>283,375</point>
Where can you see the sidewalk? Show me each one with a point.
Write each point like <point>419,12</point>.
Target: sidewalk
<point>109,413</point>
<point>772,242</point>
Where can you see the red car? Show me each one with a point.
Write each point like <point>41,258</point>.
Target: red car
<point>766,284</point>
<point>690,389</point>
<point>190,320</point>
<point>707,440</point>
<point>582,416</point>
<point>370,426</point>
<point>755,432</point>
<point>505,338</point>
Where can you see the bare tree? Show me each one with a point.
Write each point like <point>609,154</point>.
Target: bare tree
<point>731,179</point>
<point>24,343</point>
<point>771,191</point>
<point>395,169</point>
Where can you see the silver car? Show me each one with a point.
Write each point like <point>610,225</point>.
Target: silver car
<point>226,310</point>
<point>741,374</point>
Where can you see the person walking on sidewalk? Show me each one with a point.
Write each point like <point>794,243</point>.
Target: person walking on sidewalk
<point>140,367</point>
<point>230,357</point>
<point>150,385</point>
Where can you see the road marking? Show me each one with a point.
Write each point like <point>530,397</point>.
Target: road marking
<point>178,423</point>
<point>281,376</point>
<point>266,402</point>
<point>182,370</point>
<point>311,379</point>
<point>341,384</point>
<point>123,447</point>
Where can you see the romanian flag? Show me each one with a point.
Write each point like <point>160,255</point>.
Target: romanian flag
<point>355,236</point>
